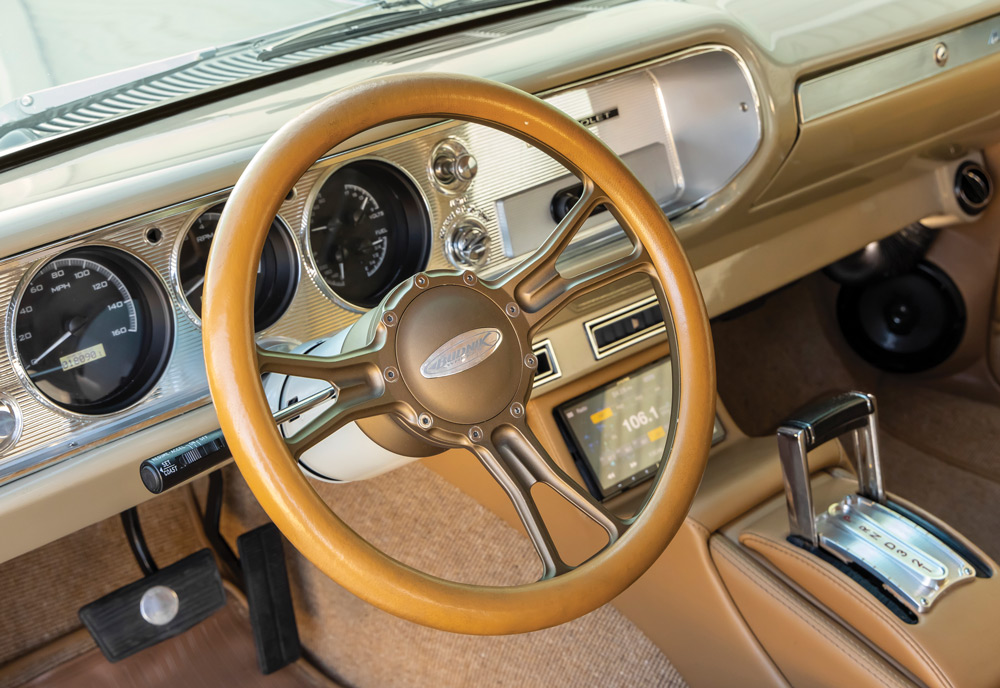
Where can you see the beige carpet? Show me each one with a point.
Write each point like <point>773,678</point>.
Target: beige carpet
<point>776,358</point>
<point>416,516</point>
<point>966,501</point>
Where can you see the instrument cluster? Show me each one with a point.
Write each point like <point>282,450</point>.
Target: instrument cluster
<point>103,331</point>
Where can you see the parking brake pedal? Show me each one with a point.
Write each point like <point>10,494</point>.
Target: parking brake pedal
<point>262,558</point>
<point>157,607</point>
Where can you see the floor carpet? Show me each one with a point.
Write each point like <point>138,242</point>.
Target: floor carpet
<point>416,516</point>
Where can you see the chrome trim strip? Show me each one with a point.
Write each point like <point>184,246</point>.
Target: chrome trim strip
<point>839,90</point>
<point>545,346</point>
<point>307,404</point>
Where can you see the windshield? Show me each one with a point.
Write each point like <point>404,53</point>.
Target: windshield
<point>67,65</point>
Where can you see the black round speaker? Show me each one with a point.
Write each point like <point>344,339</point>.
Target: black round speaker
<point>905,323</point>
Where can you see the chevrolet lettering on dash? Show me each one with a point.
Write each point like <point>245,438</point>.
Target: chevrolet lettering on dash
<point>598,117</point>
<point>460,353</point>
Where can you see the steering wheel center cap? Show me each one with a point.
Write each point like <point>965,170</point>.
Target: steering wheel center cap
<point>459,354</point>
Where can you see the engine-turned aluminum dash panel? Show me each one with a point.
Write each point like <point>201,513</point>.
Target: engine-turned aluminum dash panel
<point>913,565</point>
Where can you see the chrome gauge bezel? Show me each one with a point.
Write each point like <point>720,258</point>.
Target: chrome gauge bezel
<point>335,165</point>
<point>175,257</point>
<point>149,386</point>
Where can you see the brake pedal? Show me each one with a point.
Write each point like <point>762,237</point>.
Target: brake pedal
<point>275,633</point>
<point>155,608</point>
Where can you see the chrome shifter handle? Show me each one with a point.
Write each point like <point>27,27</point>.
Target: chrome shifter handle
<point>913,564</point>
<point>815,424</point>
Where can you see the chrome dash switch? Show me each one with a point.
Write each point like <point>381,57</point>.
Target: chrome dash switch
<point>468,245</point>
<point>452,167</point>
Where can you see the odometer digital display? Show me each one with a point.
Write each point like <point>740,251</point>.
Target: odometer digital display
<point>93,330</point>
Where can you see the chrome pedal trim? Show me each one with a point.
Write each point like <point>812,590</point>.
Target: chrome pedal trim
<point>913,565</point>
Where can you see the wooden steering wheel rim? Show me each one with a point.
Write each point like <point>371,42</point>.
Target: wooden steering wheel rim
<point>262,454</point>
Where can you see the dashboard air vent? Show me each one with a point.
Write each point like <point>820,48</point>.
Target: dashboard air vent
<point>634,323</point>
<point>548,366</point>
<point>973,187</point>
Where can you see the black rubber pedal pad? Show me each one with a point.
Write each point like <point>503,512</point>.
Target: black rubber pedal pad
<point>157,607</point>
<point>262,558</point>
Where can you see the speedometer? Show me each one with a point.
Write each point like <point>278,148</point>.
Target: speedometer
<point>368,231</point>
<point>93,330</point>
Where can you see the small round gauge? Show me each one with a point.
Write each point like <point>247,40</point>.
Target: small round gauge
<point>277,273</point>
<point>368,231</point>
<point>93,330</point>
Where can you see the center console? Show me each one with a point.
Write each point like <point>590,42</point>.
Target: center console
<point>917,594</point>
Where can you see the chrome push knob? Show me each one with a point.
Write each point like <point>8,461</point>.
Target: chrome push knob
<point>449,169</point>
<point>452,166</point>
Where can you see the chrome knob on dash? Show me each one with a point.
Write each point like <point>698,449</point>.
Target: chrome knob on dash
<point>452,167</point>
<point>468,245</point>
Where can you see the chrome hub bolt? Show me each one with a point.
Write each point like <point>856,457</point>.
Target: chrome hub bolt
<point>531,361</point>
<point>389,318</point>
<point>390,374</point>
<point>476,433</point>
<point>517,409</point>
<point>512,310</point>
<point>425,421</point>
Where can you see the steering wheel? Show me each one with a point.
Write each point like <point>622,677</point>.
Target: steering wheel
<point>447,357</point>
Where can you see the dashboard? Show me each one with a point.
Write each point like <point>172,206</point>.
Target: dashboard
<point>103,331</point>
<point>776,136</point>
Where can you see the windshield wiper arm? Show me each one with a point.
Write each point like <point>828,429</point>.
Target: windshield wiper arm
<point>338,27</point>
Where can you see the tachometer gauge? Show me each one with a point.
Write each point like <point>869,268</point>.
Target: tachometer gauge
<point>277,272</point>
<point>368,231</point>
<point>93,330</point>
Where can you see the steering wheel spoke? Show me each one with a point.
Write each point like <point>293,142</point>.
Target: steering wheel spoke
<point>359,388</point>
<point>353,403</point>
<point>538,287</point>
<point>517,461</point>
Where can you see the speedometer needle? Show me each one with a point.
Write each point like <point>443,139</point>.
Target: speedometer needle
<point>197,283</point>
<point>45,353</point>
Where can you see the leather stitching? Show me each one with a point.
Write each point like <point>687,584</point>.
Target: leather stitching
<point>859,597</point>
<point>839,640</point>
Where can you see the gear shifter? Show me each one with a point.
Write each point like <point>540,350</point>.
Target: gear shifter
<point>862,529</point>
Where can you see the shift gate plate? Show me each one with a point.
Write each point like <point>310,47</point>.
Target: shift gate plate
<point>913,564</point>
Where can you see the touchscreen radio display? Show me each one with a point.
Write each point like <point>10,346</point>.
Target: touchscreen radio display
<point>620,430</point>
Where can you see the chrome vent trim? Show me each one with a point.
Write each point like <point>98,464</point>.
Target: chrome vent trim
<point>622,315</point>
<point>544,349</point>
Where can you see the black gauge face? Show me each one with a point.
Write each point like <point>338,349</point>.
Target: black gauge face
<point>368,231</point>
<point>93,330</point>
<point>277,273</point>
